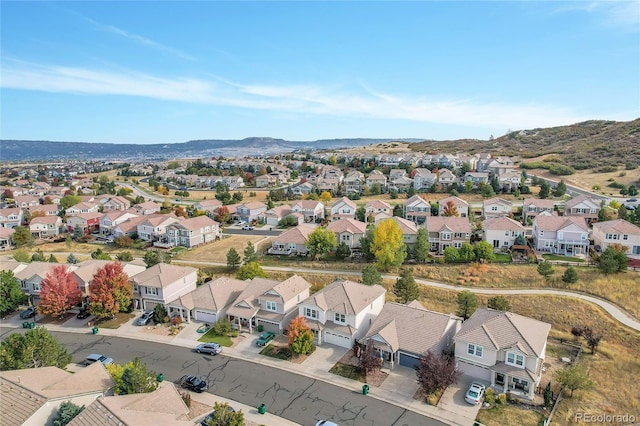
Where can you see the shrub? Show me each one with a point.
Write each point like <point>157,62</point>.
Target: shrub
<point>490,396</point>
<point>177,320</point>
<point>502,398</point>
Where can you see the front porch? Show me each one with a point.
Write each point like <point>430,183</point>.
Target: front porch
<point>517,381</point>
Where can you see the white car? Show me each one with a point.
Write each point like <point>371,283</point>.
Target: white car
<point>474,393</point>
<point>326,423</point>
<point>247,227</point>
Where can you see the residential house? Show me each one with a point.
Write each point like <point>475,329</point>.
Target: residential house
<point>191,232</point>
<point>509,181</point>
<point>445,231</point>
<point>248,212</point>
<point>82,207</point>
<point>401,184</point>
<point>352,183</point>
<point>11,217</point>
<point>496,207</point>
<point>268,303</point>
<point>534,206</point>
<point>378,210</point>
<point>273,216</point>
<point>402,334</point>
<point>446,177</point>
<point>504,349</point>
<point>233,182</point>
<point>619,232</point>
<point>343,208</point>
<point>304,188</point>
<point>161,284</point>
<point>397,173</point>
<point>113,218</point>
<point>147,208</point>
<point>462,207</point>
<point>500,166</point>
<point>327,184</point>
<point>31,275</point>
<point>25,201</point>
<point>423,179</point>
<point>266,180</point>
<point>348,231</point>
<point>5,238</point>
<point>116,202</point>
<point>583,206</point>
<point>376,177</point>
<point>292,241</point>
<point>417,209</point>
<point>312,210</point>
<point>87,222</point>
<point>32,396</point>
<point>476,178</point>
<point>45,226</point>
<point>208,206</point>
<point>342,312</point>
<point>501,232</point>
<point>83,272</point>
<point>154,227</point>
<point>563,235</point>
<point>45,209</point>
<point>409,231</point>
<point>128,228</point>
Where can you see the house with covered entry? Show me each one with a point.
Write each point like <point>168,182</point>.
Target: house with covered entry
<point>161,284</point>
<point>378,210</point>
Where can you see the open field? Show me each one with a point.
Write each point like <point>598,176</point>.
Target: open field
<point>217,251</point>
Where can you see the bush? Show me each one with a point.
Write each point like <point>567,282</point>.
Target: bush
<point>502,398</point>
<point>177,320</point>
<point>490,396</point>
<point>222,327</point>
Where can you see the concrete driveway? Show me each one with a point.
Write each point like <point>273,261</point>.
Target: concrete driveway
<point>453,400</point>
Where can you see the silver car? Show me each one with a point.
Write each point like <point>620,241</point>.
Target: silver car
<point>209,348</point>
<point>474,393</point>
<point>90,359</point>
<point>145,318</point>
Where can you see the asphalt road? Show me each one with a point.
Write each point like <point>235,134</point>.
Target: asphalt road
<point>297,398</point>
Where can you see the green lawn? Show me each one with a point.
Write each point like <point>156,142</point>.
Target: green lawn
<point>349,371</point>
<point>502,258</point>
<point>279,352</point>
<point>562,258</point>
<point>116,322</point>
<point>211,337</point>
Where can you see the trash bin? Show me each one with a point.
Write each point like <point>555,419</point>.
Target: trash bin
<point>32,324</point>
<point>25,324</point>
<point>160,377</point>
<point>365,389</point>
<point>95,330</point>
<point>262,408</point>
<point>260,328</point>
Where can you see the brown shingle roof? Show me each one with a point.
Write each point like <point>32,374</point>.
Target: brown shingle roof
<point>502,223</point>
<point>455,224</point>
<point>618,225</point>
<point>345,297</point>
<point>161,275</point>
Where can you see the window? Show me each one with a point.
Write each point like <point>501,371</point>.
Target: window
<point>625,237</point>
<point>271,306</point>
<point>474,350</point>
<point>36,286</point>
<point>310,313</point>
<point>515,359</point>
<point>446,236</point>
<point>135,288</point>
<point>346,237</point>
<point>340,318</point>
<point>151,290</point>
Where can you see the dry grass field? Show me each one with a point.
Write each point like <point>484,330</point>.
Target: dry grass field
<point>217,251</point>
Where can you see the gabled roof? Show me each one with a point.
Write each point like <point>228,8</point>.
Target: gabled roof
<point>455,224</point>
<point>456,201</point>
<point>581,199</point>
<point>406,226</point>
<point>279,211</point>
<point>410,328</point>
<point>556,223</point>
<point>497,200</point>
<point>619,225</point>
<point>416,199</point>
<point>287,289</point>
<point>147,205</point>
<point>162,275</point>
<point>502,224</point>
<point>502,330</point>
<point>349,225</point>
<point>545,203</point>
<point>297,235</point>
<point>41,269</point>
<point>87,269</point>
<point>254,205</point>
<point>345,297</point>
<point>307,204</point>
<point>378,204</point>
<point>46,220</point>
<point>245,305</point>
<point>86,216</point>
<point>195,223</point>
<point>344,200</point>
<point>214,295</point>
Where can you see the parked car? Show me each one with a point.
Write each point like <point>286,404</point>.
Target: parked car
<point>145,318</point>
<point>84,313</point>
<point>30,312</point>
<point>247,227</point>
<point>474,393</point>
<point>265,338</point>
<point>90,359</point>
<point>209,348</point>
<point>326,423</point>
<point>193,383</point>
<point>209,416</point>
<point>632,200</point>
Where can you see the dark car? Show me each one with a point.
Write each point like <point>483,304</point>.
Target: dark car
<point>193,383</point>
<point>205,421</point>
<point>30,312</point>
<point>265,338</point>
<point>209,348</point>
<point>84,313</point>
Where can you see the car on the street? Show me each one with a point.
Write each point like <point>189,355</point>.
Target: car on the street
<point>193,383</point>
<point>247,227</point>
<point>326,423</point>
<point>30,312</point>
<point>84,313</point>
<point>145,318</point>
<point>90,359</point>
<point>209,416</point>
<point>632,200</point>
<point>265,338</point>
<point>474,393</point>
<point>209,348</point>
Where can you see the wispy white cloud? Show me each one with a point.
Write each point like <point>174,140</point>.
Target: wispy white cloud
<point>354,102</point>
<point>618,14</point>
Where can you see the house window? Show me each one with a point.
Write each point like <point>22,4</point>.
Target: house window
<point>625,237</point>
<point>494,208</point>
<point>446,236</point>
<point>135,288</point>
<point>340,318</point>
<point>310,313</point>
<point>271,306</point>
<point>515,359</point>
<point>36,286</point>
<point>346,237</point>
<point>474,350</point>
<point>151,290</point>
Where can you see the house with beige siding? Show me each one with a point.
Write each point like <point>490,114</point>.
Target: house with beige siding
<point>348,231</point>
<point>191,232</point>
<point>45,226</point>
<point>292,241</point>
<point>161,284</point>
<point>563,235</point>
<point>501,232</point>
<point>343,208</point>
<point>11,217</point>
<point>532,207</point>
<point>417,209</point>
<point>619,232</point>
<point>378,210</point>
<point>583,206</point>
<point>461,206</point>
<point>312,210</point>
<point>448,232</point>
<point>409,231</point>
<point>496,207</point>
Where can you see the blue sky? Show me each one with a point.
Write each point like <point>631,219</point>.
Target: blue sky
<point>163,72</point>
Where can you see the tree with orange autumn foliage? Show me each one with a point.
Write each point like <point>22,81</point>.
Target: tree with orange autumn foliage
<point>300,336</point>
<point>111,291</point>
<point>450,209</point>
<point>59,292</point>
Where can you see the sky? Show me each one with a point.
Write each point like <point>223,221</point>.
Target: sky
<point>166,72</point>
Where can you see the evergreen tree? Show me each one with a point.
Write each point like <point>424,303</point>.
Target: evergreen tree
<point>371,275</point>
<point>343,251</point>
<point>545,189</point>
<point>67,411</point>
<point>250,254</point>
<point>570,275</point>
<point>467,304</point>
<point>71,259</point>
<point>421,249</point>
<point>233,258</point>
<point>406,289</point>
<point>11,295</point>
<point>560,189</point>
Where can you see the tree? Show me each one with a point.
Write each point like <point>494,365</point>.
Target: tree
<point>544,190</point>
<point>388,246</point>
<point>450,209</point>
<point>484,251</point>
<point>69,200</point>
<point>487,191</point>
<point>435,372</point>
<point>343,251</point>
<point>398,211</point>
<point>250,254</point>
<point>560,189</point>
<point>325,197</point>
<point>136,378</point>
<point>71,259</point>
<point>38,256</point>
<point>592,337</point>
<point>622,212</point>
<point>499,303</point>
<point>123,241</point>
<point>223,416</point>
<point>573,378</point>
<point>548,395</point>
<point>223,215</point>
<point>451,254</point>
<point>36,348</point>
<point>11,296</point>
<point>613,260</point>
<point>406,289</point>
<point>251,270</point>
<point>110,291</point>
<point>545,269</point>
<point>22,236</point>
<point>125,256</point>
<point>100,255</point>
<point>467,304</point>
<point>300,336</point>
<point>59,292</point>
<point>52,259</point>
<point>153,257</point>
<point>160,314</point>
<point>570,275</point>
<point>321,242</point>
<point>371,275</point>
<point>365,243</point>
<point>520,240</point>
<point>360,213</point>
<point>369,359</point>
<point>467,252</point>
<point>21,256</point>
<point>421,249</point>
<point>233,259</point>
<point>77,232</point>
<point>67,411</point>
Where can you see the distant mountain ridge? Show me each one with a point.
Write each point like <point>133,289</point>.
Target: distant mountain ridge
<point>21,150</point>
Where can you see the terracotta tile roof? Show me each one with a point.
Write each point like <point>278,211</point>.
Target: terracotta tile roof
<point>345,297</point>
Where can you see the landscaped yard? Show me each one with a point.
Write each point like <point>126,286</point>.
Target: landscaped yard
<point>121,318</point>
<point>562,258</point>
<point>277,351</point>
<point>211,337</point>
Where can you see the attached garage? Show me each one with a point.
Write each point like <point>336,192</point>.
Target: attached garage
<point>272,326</point>
<point>473,370</point>
<point>204,316</point>
<point>407,360</point>
<point>337,339</point>
<point>149,305</point>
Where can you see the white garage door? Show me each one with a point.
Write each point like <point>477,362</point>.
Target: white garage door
<point>482,373</point>
<point>274,327</point>
<point>205,316</point>
<point>337,339</point>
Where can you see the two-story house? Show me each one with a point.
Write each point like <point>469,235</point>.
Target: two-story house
<point>532,207</point>
<point>583,206</point>
<point>11,217</point>
<point>376,177</point>
<point>496,207</point>
<point>273,216</point>
<point>312,210</point>
<point>113,218</point>
<point>82,207</point>
<point>305,188</point>
<point>501,232</point>
<point>87,222</point>
<point>45,226</point>
<point>461,206</point>
<point>504,349</point>
<point>423,179</point>
<point>147,208</point>
<point>409,231</point>
<point>84,272</point>
<point>45,209</point>
<point>343,208</point>
<point>30,277</point>
<point>154,227</point>
<point>342,312</point>
<point>446,231</point>
<point>161,284</point>
<point>563,235</point>
<point>619,232</point>
<point>248,212</point>
<point>292,241</point>
<point>208,206</point>
<point>352,183</point>
<point>116,202</point>
<point>446,177</point>
<point>191,232</point>
<point>417,209</point>
<point>377,210</point>
<point>476,178</point>
<point>348,231</point>
<point>266,180</point>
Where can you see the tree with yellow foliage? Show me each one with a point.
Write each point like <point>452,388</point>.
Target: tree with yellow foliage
<point>388,246</point>
<point>325,197</point>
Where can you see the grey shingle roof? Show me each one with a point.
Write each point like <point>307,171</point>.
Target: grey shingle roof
<point>345,297</point>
